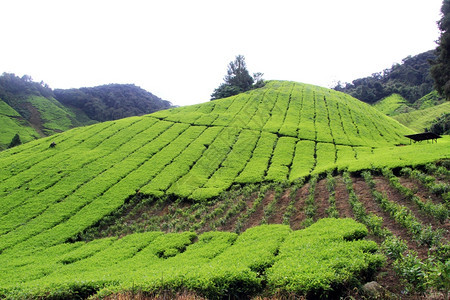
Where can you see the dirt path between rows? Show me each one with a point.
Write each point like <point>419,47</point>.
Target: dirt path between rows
<point>362,190</point>
<point>299,215</point>
<point>321,196</point>
<point>280,209</point>
<point>342,205</point>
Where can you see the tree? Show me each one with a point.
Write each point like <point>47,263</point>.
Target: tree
<point>440,69</point>
<point>237,80</point>
<point>237,74</point>
<point>15,141</point>
<point>441,125</point>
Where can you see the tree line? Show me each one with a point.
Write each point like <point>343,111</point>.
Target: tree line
<point>112,101</point>
<point>411,79</point>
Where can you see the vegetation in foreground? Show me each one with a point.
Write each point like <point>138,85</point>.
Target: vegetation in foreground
<point>324,259</point>
<point>56,189</point>
<point>405,214</point>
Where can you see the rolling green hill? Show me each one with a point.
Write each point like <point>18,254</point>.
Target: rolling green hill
<point>393,105</point>
<point>38,116</point>
<point>420,119</point>
<point>429,100</point>
<point>30,110</point>
<point>279,133</point>
<point>418,116</point>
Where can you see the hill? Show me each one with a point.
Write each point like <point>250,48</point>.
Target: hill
<point>11,123</point>
<point>33,109</point>
<point>29,109</point>
<point>198,168</point>
<point>429,100</point>
<point>112,101</point>
<point>393,105</point>
<point>411,79</point>
<point>419,120</point>
<point>420,116</point>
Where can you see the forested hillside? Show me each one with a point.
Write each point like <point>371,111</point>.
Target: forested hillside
<point>411,79</point>
<point>406,93</point>
<point>112,101</point>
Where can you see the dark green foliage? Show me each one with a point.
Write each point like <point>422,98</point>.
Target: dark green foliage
<point>441,125</point>
<point>237,80</point>
<point>411,79</point>
<point>440,69</point>
<point>225,90</point>
<point>15,141</point>
<point>237,74</point>
<point>13,88</point>
<point>112,101</point>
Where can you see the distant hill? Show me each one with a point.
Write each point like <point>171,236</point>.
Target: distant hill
<point>393,105</point>
<point>429,100</point>
<point>420,115</point>
<point>112,101</point>
<point>411,79</point>
<point>404,92</point>
<point>34,110</point>
<point>421,120</point>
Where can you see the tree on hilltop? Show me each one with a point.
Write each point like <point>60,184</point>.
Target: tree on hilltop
<point>440,69</point>
<point>237,80</point>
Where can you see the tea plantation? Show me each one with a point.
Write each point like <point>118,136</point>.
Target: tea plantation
<point>55,190</point>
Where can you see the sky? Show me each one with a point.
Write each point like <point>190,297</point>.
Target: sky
<point>179,50</point>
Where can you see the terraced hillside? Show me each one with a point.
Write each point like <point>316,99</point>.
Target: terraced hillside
<point>407,214</point>
<point>52,195</point>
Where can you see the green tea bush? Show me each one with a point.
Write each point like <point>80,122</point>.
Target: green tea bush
<point>323,258</point>
<point>413,272</point>
<point>394,247</point>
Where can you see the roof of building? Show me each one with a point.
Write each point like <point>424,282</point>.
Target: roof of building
<point>423,136</point>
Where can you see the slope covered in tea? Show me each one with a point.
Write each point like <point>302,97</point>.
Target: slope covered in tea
<point>278,133</point>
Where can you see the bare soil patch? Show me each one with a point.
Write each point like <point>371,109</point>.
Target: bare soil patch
<point>420,190</point>
<point>299,215</point>
<point>280,208</point>
<point>321,196</point>
<point>257,216</point>
<point>382,185</point>
<point>341,195</point>
<point>231,223</point>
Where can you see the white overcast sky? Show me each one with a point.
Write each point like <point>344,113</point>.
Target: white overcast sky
<point>179,50</point>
